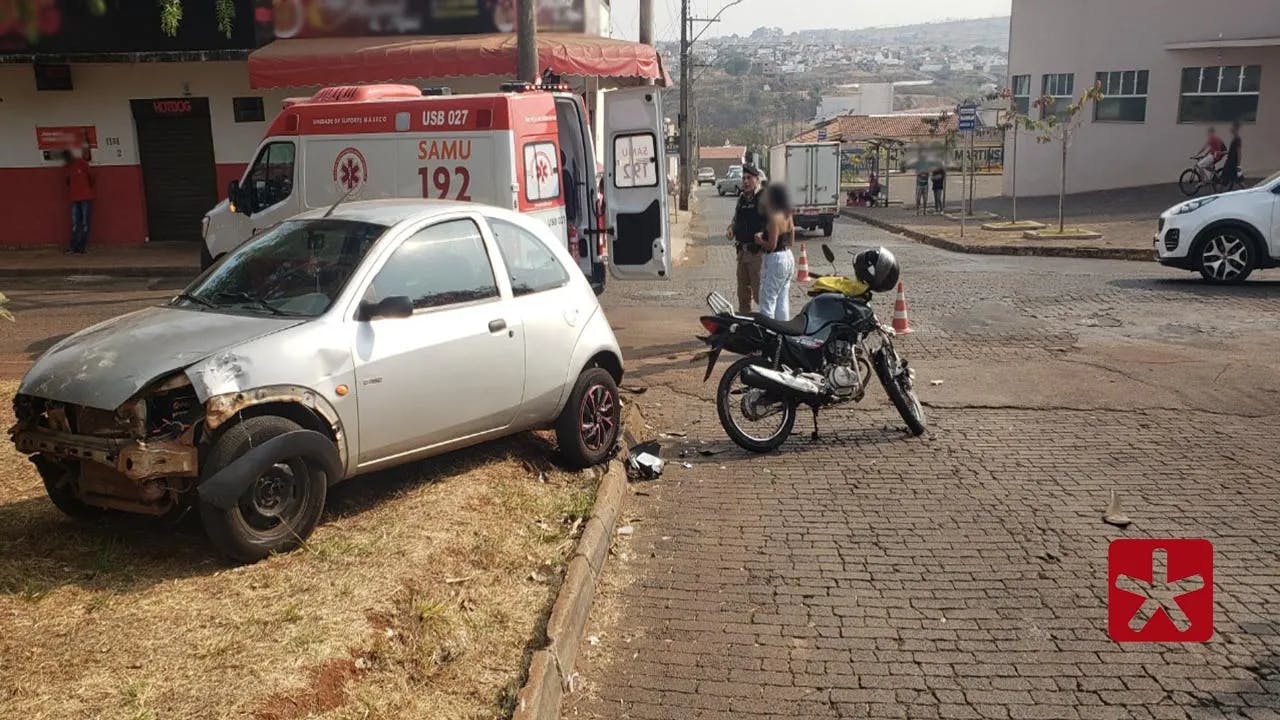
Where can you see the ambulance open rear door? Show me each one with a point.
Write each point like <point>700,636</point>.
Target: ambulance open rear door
<point>635,187</point>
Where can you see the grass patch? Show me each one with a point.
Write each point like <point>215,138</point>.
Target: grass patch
<point>420,595</point>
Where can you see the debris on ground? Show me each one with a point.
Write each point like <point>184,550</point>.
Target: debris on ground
<point>687,466</point>
<point>626,531</point>
<point>1114,515</point>
<point>935,382</point>
<point>644,462</point>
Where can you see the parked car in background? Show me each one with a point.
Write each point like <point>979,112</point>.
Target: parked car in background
<point>731,183</point>
<point>706,176</point>
<point>339,342</point>
<point>1223,237</point>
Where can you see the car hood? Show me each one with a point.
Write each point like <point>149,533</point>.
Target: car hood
<point>105,365</point>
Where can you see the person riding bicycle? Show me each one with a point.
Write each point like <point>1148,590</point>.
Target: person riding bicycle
<point>1208,157</point>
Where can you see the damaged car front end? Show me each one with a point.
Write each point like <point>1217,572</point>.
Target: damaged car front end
<point>142,457</point>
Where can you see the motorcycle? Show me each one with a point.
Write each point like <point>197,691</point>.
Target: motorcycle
<point>821,358</point>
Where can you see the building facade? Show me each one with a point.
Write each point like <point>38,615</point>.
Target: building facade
<point>1170,70</point>
<point>169,121</point>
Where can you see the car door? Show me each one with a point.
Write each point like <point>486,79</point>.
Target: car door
<point>552,312</point>
<point>455,367</point>
<point>268,187</point>
<point>635,187</point>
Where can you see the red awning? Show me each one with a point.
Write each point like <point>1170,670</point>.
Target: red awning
<point>330,61</point>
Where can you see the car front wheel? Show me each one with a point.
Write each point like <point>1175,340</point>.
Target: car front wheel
<point>1226,257</point>
<point>588,427</point>
<point>279,509</point>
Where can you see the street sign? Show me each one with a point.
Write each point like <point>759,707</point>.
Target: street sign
<point>968,110</point>
<point>673,145</point>
<point>968,124</point>
<point>822,134</point>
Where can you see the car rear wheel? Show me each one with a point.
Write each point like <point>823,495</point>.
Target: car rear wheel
<point>1225,257</point>
<point>279,509</point>
<point>588,427</point>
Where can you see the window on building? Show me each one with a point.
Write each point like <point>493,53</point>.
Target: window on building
<point>442,264</point>
<point>248,109</point>
<point>1220,94</point>
<point>1021,87</point>
<point>1124,96</point>
<point>1060,87</point>
<point>530,264</point>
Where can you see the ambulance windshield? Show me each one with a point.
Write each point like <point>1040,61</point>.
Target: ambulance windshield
<point>297,268</point>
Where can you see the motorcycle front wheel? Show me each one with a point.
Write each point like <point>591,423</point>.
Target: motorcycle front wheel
<point>753,420</point>
<point>897,385</point>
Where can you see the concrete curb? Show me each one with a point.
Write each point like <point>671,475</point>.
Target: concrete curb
<point>551,668</point>
<point>1095,253</point>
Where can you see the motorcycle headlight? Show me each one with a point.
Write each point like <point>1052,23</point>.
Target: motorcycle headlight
<point>1191,206</point>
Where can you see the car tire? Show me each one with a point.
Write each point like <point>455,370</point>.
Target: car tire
<point>58,485</point>
<point>256,527</point>
<point>828,227</point>
<point>1225,257</point>
<point>588,427</point>
<point>721,191</point>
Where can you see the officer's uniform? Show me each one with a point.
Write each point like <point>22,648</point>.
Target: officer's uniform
<point>748,219</point>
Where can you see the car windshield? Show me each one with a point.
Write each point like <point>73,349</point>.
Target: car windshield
<point>298,268</point>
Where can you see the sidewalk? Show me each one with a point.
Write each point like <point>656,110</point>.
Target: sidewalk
<point>153,260</point>
<point>1126,218</point>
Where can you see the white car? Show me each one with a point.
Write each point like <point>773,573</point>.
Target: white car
<point>1224,237</point>
<point>336,343</point>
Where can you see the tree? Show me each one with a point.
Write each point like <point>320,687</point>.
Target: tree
<point>28,12</point>
<point>1058,126</point>
<point>1010,121</point>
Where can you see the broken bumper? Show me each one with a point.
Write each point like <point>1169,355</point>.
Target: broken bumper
<point>135,459</point>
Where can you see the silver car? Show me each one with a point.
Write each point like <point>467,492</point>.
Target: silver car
<point>331,345</point>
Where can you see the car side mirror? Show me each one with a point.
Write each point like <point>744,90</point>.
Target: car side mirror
<point>236,196</point>
<point>396,306</point>
<point>827,253</point>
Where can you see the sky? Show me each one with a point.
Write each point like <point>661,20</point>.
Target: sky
<point>799,14</point>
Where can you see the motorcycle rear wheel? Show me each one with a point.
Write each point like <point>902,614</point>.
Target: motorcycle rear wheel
<point>899,390</point>
<point>731,391</point>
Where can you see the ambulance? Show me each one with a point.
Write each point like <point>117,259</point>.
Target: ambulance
<point>527,148</point>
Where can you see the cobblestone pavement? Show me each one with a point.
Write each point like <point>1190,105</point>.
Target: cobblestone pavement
<point>962,574</point>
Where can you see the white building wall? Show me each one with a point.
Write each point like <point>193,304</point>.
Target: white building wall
<point>1085,37</point>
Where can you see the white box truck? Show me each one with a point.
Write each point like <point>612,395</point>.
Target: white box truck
<point>811,171</point>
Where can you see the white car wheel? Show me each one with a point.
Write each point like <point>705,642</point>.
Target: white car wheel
<point>1226,257</point>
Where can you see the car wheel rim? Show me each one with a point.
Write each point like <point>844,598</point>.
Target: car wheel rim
<point>597,418</point>
<point>1225,257</point>
<point>275,497</point>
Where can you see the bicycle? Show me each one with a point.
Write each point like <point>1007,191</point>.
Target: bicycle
<point>1193,180</point>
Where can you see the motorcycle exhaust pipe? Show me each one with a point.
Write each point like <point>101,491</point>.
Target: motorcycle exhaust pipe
<point>763,378</point>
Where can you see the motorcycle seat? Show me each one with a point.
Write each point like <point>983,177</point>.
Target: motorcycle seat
<point>794,326</point>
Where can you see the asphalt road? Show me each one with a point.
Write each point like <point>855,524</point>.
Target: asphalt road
<point>964,573</point>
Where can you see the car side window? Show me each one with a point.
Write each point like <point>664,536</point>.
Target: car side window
<point>271,179</point>
<point>441,264</point>
<point>530,263</point>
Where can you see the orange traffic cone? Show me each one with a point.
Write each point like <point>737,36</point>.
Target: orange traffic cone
<point>802,267</point>
<point>901,326</point>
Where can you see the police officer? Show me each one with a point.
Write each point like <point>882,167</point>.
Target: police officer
<point>748,219</point>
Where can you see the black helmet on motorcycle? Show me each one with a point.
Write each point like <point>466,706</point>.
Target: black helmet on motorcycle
<point>877,268</point>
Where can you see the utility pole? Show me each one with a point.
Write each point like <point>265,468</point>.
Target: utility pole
<point>683,120</point>
<point>527,41</point>
<point>646,22</point>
